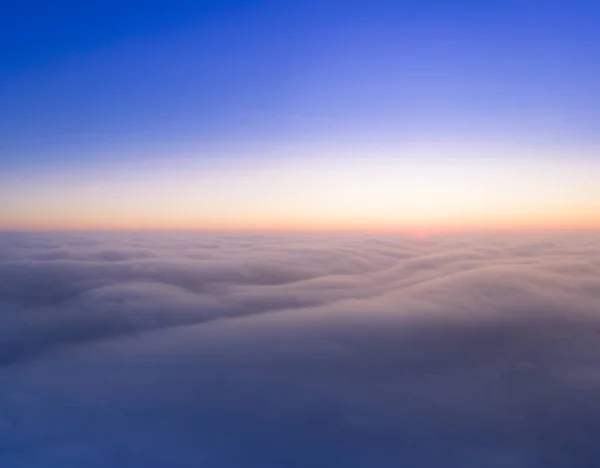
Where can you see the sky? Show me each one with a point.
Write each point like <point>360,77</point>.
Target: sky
<point>258,115</point>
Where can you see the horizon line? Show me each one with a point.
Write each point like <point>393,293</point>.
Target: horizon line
<point>419,231</point>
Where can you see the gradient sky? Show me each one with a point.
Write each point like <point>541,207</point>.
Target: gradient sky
<point>300,114</point>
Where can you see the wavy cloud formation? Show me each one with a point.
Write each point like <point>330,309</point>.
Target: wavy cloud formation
<point>187,350</point>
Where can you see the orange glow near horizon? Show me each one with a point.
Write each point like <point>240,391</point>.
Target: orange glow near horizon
<point>417,193</point>
<point>416,230</point>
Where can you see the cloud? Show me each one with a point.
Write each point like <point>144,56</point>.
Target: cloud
<point>188,350</point>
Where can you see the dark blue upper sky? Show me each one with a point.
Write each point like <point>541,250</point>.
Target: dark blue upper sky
<point>83,80</point>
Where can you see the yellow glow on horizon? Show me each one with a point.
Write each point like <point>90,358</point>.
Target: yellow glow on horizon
<point>554,222</point>
<point>348,191</point>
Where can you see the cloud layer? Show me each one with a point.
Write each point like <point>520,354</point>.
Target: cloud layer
<point>187,350</point>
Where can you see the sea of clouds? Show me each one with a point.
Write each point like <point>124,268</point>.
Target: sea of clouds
<point>273,351</point>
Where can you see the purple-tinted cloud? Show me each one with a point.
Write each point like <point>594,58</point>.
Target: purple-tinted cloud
<point>188,350</point>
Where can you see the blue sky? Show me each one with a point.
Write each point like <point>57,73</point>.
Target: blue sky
<point>83,85</point>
